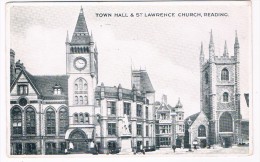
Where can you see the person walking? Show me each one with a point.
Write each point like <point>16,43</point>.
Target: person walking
<point>173,148</point>
<point>142,149</point>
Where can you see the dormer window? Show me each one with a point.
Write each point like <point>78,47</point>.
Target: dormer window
<point>57,89</point>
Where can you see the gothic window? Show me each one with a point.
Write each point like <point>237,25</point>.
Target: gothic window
<point>80,92</point>
<point>63,120</point>
<point>80,84</point>
<point>80,100</point>
<point>71,50</point>
<point>76,118</point>
<point>224,74</point>
<point>127,108</point>
<point>111,128</point>
<point>111,108</point>
<point>225,97</point>
<point>50,121</point>
<point>85,87</point>
<point>225,123</point>
<point>206,78</point>
<point>16,117</point>
<point>139,110</point>
<point>85,100</point>
<point>86,118</point>
<point>76,100</point>
<point>202,131</point>
<point>81,118</point>
<point>30,121</point>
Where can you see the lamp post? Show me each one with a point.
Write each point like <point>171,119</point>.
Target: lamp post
<point>189,123</point>
<point>173,114</point>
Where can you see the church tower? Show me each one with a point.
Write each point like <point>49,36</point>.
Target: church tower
<point>220,94</point>
<point>82,69</point>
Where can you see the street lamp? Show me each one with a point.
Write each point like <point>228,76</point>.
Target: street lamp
<point>173,114</point>
<point>189,123</point>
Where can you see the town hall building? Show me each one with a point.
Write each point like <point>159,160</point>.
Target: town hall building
<point>51,114</point>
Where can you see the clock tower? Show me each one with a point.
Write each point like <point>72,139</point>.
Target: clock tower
<point>82,69</point>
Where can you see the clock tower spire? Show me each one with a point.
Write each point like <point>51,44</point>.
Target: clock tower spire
<point>82,70</point>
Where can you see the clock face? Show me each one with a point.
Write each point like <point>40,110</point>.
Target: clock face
<point>80,63</point>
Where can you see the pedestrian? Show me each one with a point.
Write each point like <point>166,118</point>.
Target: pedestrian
<point>142,149</point>
<point>173,148</point>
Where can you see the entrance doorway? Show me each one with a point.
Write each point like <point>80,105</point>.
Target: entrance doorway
<point>80,146</point>
<point>226,142</point>
<point>78,142</point>
<point>203,143</point>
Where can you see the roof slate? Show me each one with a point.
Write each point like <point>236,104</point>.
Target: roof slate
<point>81,34</point>
<point>146,84</point>
<point>45,83</point>
<point>192,118</point>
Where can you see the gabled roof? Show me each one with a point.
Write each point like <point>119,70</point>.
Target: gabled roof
<point>192,118</point>
<point>43,85</point>
<point>146,84</point>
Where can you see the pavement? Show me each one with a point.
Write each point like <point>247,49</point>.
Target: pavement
<point>234,151</point>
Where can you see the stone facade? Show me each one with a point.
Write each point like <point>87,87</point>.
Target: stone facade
<point>220,94</point>
<point>51,114</point>
<point>169,124</point>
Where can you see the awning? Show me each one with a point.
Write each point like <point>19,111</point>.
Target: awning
<point>87,131</point>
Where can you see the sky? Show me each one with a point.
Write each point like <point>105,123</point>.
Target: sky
<point>167,47</point>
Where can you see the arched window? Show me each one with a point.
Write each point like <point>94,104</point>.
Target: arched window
<point>50,121</point>
<point>206,78</point>
<point>30,121</point>
<point>63,120</point>
<point>76,100</point>
<point>80,84</point>
<point>85,87</point>
<point>76,87</point>
<point>71,50</point>
<point>80,100</point>
<point>81,118</point>
<point>81,87</point>
<point>225,97</point>
<point>76,118</point>
<point>202,131</point>
<point>225,123</point>
<point>16,117</point>
<point>85,100</point>
<point>88,49</point>
<point>224,74</point>
<point>86,118</point>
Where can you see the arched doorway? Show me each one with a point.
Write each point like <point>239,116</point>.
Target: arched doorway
<point>78,142</point>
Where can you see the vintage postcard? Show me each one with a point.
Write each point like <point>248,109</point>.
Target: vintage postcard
<point>127,79</point>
